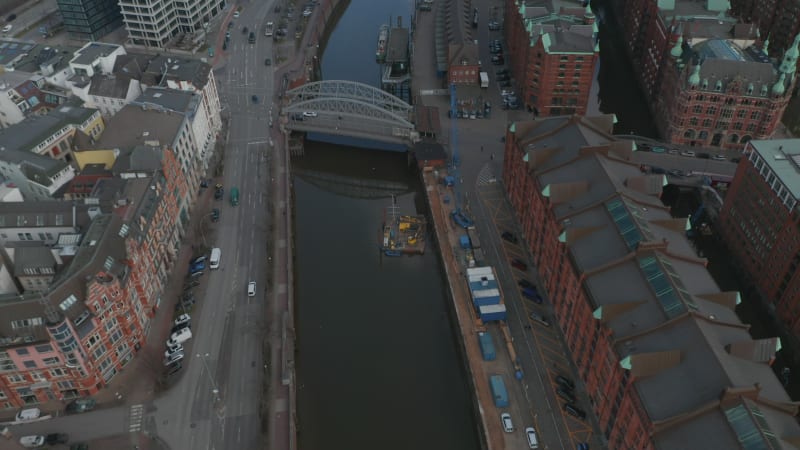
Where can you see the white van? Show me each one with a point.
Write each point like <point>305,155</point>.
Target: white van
<point>216,254</point>
<point>29,414</point>
<point>180,336</point>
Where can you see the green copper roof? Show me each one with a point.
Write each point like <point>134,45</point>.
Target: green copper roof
<point>525,157</point>
<point>562,237</point>
<point>677,50</point>
<point>513,127</point>
<point>626,363</point>
<point>779,88</point>
<point>546,191</point>
<point>694,78</point>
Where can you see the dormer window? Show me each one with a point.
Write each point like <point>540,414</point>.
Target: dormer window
<point>718,86</point>
<point>750,89</point>
<point>705,84</point>
<point>764,90</point>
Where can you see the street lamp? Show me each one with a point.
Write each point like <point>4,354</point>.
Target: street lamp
<point>214,389</point>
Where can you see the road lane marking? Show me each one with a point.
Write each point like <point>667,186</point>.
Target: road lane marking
<point>136,416</point>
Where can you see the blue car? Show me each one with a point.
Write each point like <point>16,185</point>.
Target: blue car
<point>197,267</point>
<point>531,294</point>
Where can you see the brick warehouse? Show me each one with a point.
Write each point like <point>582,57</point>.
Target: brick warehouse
<point>87,300</point>
<point>777,20</point>
<point>729,97</point>
<point>553,51</point>
<point>760,224</point>
<point>665,360</point>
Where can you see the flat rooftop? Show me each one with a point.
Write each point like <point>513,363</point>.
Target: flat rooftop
<point>782,156</point>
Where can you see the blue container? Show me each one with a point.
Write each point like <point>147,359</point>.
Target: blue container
<point>464,241</point>
<point>485,298</point>
<point>492,313</point>
<point>482,284</point>
<point>487,346</point>
<point>499,392</point>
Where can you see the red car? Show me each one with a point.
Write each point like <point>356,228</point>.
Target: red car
<point>519,264</point>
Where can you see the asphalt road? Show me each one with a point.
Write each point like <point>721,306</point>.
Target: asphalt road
<point>216,404</point>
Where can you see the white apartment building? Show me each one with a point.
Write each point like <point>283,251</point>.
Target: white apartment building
<point>152,23</point>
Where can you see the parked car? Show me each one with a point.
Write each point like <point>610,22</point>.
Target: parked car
<point>11,17</point>
<point>198,266</point>
<point>26,415</point>
<point>703,155</point>
<point>565,382</point>
<point>508,426</point>
<point>172,370</point>
<point>169,352</point>
<point>173,359</point>
<point>236,15</point>
<point>565,394</point>
<point>56,438</point>
<point>498,62</point>
<point>7,28</point>
<point>80,405</point>
<point>539,318</point>
<point>173,346</point>
<point>183,319</point>
<point>251,289</point>
<point>658,150</point>
<point>719,158</point>
<point>672,152</point>
<point>244,30</point>
<point>32,441</point>
<point>501,72</point>
<point>199,259</point>
<point>531,294</point>
<point>219,193</point>
<point>503,78</point>
<point>494,26</point>
<point>215,215</point>
<point>181,336</point>
<point>519,264</point>
<point>533,442</point>
<point>574,410</point>
<point>509,236</point>
<point>582,446</point>
<point>254,98</point>
<point>506,83</point>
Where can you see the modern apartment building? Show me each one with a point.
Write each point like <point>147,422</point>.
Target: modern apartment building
<point>760,224</point>
<point>662,355</point>
<point>89,20</point>
<point>553,48</point>
<point>153,23</point>
<point>90,280</point>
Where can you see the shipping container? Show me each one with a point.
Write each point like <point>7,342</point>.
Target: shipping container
<point>487,346</point>
<point>479,258</point>
<point>482,283</point>
<point>492,313</point>
<point>473,238</point>
<point>480,271</point>
<point>499,392</point>
<point>485,298</point>
<point>464,241</point>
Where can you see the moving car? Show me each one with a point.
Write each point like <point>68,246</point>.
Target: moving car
<point>173,359</point>
<point>236,15</point>
<point>254,98</point>
<point>215,215</point>
<point>508,426</point>
<point>80,405</point>
<point>719,158</point>
<point>219,193</point>
<point>688,153</point>
<point>268,62</point>
<point>309,114</point>
<point>251,289</point>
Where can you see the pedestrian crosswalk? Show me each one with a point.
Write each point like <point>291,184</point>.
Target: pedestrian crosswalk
<point>486,176</point>
<point>136,417</point>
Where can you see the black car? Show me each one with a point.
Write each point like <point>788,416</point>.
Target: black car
<point>507,235</point>
<point>56,438</point>
<point>215,215</point>
<point>230,24</point>
<point>565,382</point>
<point>574,410</point>
<point>204,184</point>
<point>80,405</point>
<point>523,283</point>
<point>11,17</point>
<point>219,193</point>
<point>268,62</point>
<point>254,99</point>
<point>503,77</point>
<point>498,62</point>
<point>519,264</point>
<point>244,30</point>
<point>501,72</point>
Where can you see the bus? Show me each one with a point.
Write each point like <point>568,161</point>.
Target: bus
<point>216,254</point>
<point>235,196</point>
<point>268,31</point>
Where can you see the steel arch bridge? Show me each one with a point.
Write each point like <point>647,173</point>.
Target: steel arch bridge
<point>349,108</point>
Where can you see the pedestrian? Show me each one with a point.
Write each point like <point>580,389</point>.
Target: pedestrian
<point>491,156</point>
<point>481,148</point>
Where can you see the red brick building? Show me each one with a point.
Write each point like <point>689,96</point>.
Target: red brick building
<point>464,65</point>
<point>760,223</point>
<point>553,56</point>
<point>664,359</point>
<point>717,94</point>
<point>777,20</point>
<point>71,339</point>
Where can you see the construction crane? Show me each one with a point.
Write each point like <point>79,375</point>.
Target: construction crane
<point>459,216</point>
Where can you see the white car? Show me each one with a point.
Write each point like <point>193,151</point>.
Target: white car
<point>174,358</point>
<point>183,319</point>
<point>688,153</point>
<point>236,15</point>
<point>530,433</point>
<point>719,158</point>
<point>179,337</point>
<point>309,114</point>
<point>306,12</point>
<point>29,414</point>
<point>7,28</point>
<point>251,289</point>
<point>31,441</point>
<point>508,426</point>
<point>173,346</point>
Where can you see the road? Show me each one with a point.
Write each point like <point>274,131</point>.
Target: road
<point>215,401</point>
<point>216,404</point>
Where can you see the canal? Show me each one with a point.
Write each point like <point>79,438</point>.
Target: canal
<point>378,363</point>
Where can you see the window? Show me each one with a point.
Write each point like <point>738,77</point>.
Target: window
<point>741,113</point>
<point>45,348</point>
<point>67,302</point>
<point>16,378</point>
<point>58,372</point>
<point>50,361</point>
<point>755,115</point>
<point>698,109</point>
<point>22,351</point>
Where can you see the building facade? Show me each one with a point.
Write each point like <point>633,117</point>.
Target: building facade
<point>760,223</point>
<point>89,20</point>
<point>464,65</point>
<point>665,361</point>
<point>154,23</point>
<point>69,338</point>
<point>716,94</point>
<point>553,56</point>
<point>777,20</point>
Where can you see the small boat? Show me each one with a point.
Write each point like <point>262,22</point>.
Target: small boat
<point>393,253</point>
<point>383,38</point>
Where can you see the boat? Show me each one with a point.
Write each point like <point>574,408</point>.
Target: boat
<point>402,235</point>
<point>383,38</point>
